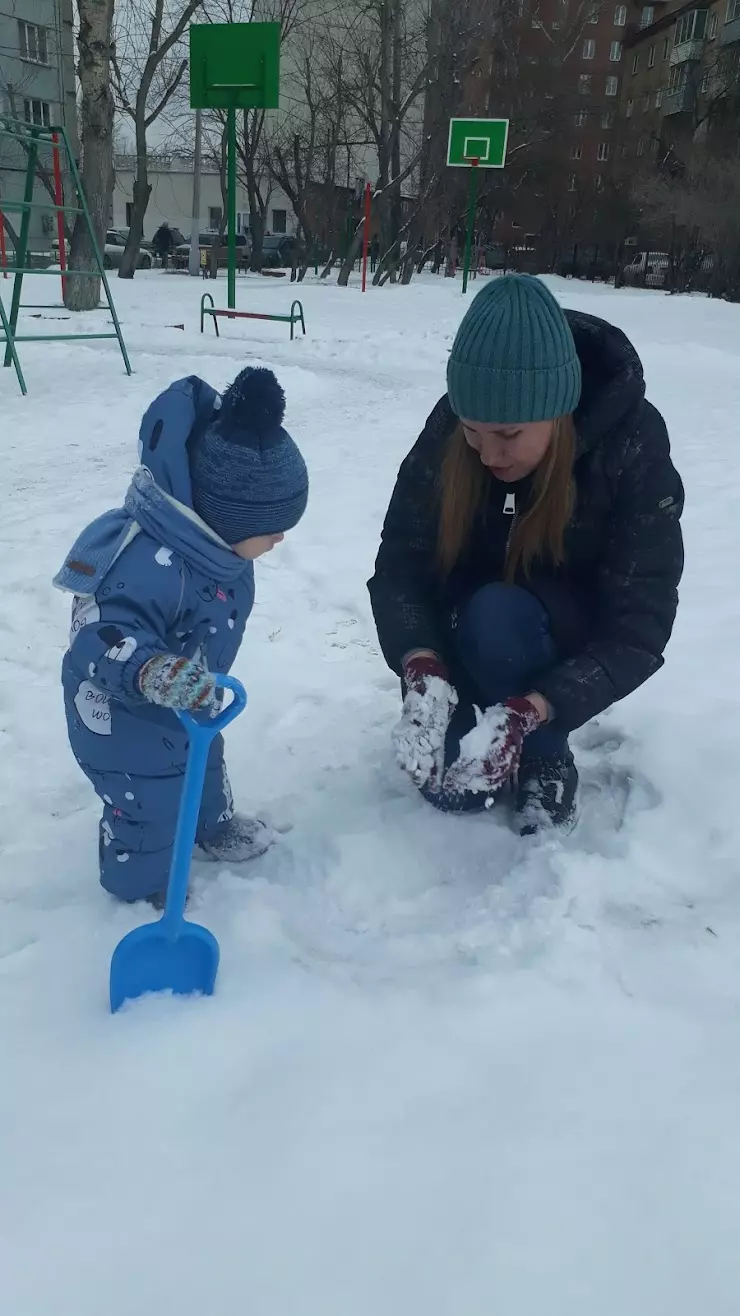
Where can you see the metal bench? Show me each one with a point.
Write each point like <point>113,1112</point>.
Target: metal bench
<point>295,317</point>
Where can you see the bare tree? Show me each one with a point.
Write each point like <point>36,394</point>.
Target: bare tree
<point>94,44</point>
<point>304,141</point>
<point>149,64</point>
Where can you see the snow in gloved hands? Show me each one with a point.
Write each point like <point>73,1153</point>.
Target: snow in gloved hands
<point>419,736</point>
<point>479,750</point>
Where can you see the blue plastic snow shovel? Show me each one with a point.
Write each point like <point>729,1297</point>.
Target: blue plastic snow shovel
<point>176,955</point>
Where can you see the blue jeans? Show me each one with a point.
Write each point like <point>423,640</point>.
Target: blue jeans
<point>502,643</point>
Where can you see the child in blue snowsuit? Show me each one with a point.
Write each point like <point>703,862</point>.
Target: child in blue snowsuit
<point>163,588</point>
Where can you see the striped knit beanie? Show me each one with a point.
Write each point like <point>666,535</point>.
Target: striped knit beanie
<point>248,477</point>
<point>514,359</point>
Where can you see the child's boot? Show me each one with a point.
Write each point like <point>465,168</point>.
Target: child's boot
<point>238,841</point>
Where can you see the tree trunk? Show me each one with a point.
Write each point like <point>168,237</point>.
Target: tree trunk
<point>142,193</point>
<point>94,46</point>
<point>257,231</point>
<point>353,252</point>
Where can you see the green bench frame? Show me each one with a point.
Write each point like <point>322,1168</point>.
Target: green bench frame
<point>295,317</point>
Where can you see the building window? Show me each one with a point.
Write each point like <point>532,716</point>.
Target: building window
<point>666,48</point>
<point>647,16</point>
<point>635,63</point>
<point>280,221</point>
<point>630,108</point>
<point>38,112</point>
<point>589,49</point>
<point>33,44</point>
<point>659,98</point>
<point>733,11</point>
<point>646,102</point>
<point>593,13</point>
<point>693,26</point>
<point>677,79</point>
<point>584,84</point>
<point>713,20</point>
<point>580,118</point>
<point>603,151</point>
<point>641,146</point>
<point>215,214</point>
<point>620,16</point>
<point>598,182</point>
<point>615,52</point>
<point>577,152</point>
<point>651,57</point>
<point>612,86</point>
<point>704,87</point>
<point>607,119</point>
<point>572,183</point>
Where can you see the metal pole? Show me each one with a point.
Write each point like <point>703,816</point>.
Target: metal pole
<point>231,202</point>
<point>59,201</point>
<point>366,234</point>
<point>472,195</point>
<point>21,253</point>
<point>194,258</point>
<point>3,253</point>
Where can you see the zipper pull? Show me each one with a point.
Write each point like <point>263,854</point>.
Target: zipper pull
<point>510,504</point>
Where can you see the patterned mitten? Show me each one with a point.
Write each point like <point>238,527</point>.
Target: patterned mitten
<point>177,683</point>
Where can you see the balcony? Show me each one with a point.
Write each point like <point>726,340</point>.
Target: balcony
<point>680,101</point>
<point>688,52</point>
<point>730,33</point>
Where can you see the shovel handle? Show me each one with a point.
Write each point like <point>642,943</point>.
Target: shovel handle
<point>215,724</point>
<point>200,737</point>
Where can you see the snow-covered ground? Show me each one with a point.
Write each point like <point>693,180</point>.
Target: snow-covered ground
<point>446,1072</point>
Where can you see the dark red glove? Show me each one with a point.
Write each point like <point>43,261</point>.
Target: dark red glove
<point>490,753</point>
<point>418,669</point>
<point>420,735</point>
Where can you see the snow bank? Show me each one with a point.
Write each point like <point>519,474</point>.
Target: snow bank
<point>446,1072</point>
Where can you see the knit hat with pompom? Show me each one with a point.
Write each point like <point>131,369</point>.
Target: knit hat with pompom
<point>248,477</point>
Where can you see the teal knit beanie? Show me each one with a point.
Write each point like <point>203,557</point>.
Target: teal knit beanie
<point>514,358</point>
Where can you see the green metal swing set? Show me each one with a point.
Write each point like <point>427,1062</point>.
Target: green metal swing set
<point>31,138</point>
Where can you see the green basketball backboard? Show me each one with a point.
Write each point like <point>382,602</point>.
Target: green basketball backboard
<point>483,140</point>
<point>234,66</point>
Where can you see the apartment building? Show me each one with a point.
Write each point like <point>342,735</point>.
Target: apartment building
<point>557,76</point>
<point>37,84</point>
<point>682,79</point>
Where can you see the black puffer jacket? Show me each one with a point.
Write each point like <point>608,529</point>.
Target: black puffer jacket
<point>613,601</point>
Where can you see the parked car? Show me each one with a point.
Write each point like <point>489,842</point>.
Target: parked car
<point>206,239</point>
<point>648,269</point>
<point>115,245</point>
<point>496,256</point>
<point>278,251</point>
<point>145,243</point>
<point>587,262</point>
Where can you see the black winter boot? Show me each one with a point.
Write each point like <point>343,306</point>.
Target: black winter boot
<point>546,794</point>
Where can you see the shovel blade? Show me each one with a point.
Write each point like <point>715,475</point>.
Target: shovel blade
<point>149,960</point>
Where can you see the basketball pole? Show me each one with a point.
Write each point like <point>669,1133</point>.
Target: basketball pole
<point>231,201</point>
<point>472,198</point>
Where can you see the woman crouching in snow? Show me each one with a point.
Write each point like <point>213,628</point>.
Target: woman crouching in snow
<point>163,588</point>
<point>530,556</point>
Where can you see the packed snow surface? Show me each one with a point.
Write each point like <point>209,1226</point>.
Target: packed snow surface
<point>446,1072</point>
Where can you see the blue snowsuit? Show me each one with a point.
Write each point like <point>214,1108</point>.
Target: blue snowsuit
<point>149,578</point>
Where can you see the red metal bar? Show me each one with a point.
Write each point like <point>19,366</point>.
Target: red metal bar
<point>3,253</point>
<point>59,201</point>
<point>366,234</point>
<point>245,315</point>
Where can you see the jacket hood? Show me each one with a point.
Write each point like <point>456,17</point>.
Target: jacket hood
<point>613,382</point>
<point>167,428</point>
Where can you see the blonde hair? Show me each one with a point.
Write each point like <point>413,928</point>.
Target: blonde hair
<point>538,533</point>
